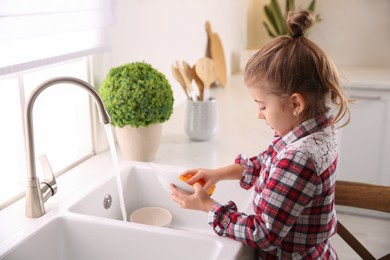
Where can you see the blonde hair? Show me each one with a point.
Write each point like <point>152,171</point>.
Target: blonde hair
<point>295,64</point>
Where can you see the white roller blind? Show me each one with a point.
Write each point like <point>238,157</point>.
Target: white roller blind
<point>41,32</point>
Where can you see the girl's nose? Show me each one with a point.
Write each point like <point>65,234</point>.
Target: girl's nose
<point>261,115</point>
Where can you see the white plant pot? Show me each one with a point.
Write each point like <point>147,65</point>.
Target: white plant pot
<point>139,144</point>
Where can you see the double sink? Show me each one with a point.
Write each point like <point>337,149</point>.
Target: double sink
<point>86,228</point>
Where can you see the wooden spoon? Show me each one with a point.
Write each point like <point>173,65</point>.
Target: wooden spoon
<point>191,74</point>
<point>187,80</point>
<point>188,71</point>
<point>177,76</point>
<point>207,72</point>
<point>199,83</point>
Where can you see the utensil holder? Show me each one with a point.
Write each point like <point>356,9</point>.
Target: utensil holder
<point>201,119</point>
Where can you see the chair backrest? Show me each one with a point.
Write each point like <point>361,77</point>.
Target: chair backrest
<point>365,196</point>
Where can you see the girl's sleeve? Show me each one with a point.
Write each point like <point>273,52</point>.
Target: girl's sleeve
<point>290,187</point>
<point>252,169</point>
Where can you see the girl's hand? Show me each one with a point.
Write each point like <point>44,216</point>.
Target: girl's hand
<point>209,176</point>
<point>212,176</point>
<point>199,200</point>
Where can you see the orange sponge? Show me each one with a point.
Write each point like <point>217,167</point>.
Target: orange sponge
<point>185,178</point>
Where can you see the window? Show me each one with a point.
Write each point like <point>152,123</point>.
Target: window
<point>39,41</point>
<point>52,30</point>
<point>62,124</point>
<point>11,139</point>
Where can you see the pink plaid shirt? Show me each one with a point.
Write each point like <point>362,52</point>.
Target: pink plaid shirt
<point>294,183</point>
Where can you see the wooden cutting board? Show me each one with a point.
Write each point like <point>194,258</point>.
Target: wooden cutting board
<point>214,50</point>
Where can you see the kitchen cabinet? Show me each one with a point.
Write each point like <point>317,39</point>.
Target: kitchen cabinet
<point>364,144</point>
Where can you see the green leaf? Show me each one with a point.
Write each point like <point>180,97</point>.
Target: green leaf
<point>290,5</point>
<point>136,94</point>
<point>275,22</point>
<point>318,18</point>
<point>312,6</point>
<point>279,18</point>
<point>270,33</point>
<point>271,19</point>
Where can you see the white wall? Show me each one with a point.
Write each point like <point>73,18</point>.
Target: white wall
<point>162,31</point>
<point>353,32</point>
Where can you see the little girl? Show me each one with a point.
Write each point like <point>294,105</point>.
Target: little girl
<point>294,83</point>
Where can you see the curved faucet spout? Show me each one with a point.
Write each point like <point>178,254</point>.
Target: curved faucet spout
<point>36,193</point>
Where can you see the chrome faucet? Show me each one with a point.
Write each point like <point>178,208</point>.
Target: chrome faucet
<point>38,193</point>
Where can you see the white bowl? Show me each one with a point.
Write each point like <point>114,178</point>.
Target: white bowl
<point>154,216</point>
<point>167,176</point>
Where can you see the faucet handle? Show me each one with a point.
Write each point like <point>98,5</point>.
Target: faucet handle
<point>49,185</point>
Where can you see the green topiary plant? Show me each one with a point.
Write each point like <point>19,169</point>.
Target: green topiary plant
<point>136,94</point>
<point>275,23</point>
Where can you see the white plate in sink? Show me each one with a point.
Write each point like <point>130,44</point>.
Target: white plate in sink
<point>167,176</point>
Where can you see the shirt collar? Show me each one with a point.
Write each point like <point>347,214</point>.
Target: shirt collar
<point>303,129</point>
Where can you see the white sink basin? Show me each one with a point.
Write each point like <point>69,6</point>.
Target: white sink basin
<point>142,189</point>
<point>79,237</point>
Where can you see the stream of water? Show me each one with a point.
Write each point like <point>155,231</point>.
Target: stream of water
<point>114,156</point>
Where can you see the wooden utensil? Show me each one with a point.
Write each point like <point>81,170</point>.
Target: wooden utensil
<point>187,80</point>
<point>188,71</point>
<point>215,50</point>
<point>199,83</point>
<point>207,72</point>
<point>177,76</point>
<point>191,74</point>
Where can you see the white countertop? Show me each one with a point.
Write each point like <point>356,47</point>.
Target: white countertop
<point>368,78</point>
<point>240,131</point>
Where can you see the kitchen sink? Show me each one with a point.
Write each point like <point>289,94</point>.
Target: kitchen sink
<point>141,188</point>
<point>86,226</point>
<point>78,237</point>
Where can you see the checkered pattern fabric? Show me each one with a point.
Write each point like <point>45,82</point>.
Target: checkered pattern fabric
<point>294,183</point>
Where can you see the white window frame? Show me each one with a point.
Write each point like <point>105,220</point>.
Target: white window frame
<point>93,121</point>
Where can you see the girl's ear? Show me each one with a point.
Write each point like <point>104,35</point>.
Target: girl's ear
<point>298,103</point>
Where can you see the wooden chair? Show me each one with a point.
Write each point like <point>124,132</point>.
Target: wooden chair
<point>365,196</point>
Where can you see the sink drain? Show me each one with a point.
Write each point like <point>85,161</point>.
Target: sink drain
<point>107,201</point>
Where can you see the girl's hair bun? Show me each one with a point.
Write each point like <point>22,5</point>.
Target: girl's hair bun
<point>298,22</point>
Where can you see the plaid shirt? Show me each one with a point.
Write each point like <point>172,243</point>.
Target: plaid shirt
<point>294,183</point>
